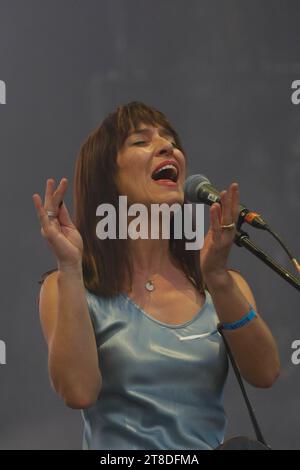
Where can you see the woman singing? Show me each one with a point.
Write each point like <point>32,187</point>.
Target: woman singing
<point>131,323</point>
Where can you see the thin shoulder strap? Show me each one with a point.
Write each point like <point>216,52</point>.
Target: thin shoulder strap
<point>255,424</point>
<point>45,274</point>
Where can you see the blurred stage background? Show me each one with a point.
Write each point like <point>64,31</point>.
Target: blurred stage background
<point>222,73</point>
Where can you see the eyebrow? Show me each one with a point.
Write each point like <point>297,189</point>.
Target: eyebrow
<point>162,130</point>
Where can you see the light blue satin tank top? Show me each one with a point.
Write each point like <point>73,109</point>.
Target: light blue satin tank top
<point>162,384</point>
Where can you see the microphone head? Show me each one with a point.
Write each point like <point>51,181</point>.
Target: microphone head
<point>191,186</point>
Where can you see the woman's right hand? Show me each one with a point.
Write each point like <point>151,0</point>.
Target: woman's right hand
<point>60,232</point>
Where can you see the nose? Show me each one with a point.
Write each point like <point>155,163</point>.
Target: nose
<point>165,147</point>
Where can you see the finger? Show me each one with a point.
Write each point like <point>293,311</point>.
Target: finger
<point>54,196</point>
<point>215,218</point>
<point>225,212</point>
<point>230,204</point>
<point>64,216</point>
<point>47,223</point>
<point>59,193</point>
<point>50,184</point>
<point>235,202</point>
<point>41,213</point>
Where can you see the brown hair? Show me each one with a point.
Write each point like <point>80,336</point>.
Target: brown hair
<point>106,262</point>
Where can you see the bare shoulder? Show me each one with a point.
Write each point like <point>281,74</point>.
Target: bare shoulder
<point>48,303</point>
<point>48,285</point>
<point>243,286</point>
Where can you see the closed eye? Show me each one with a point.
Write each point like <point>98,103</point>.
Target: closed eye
<point>144,142</point>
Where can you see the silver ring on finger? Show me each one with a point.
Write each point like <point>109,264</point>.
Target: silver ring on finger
<point>51,214</point>
<point>229,226</point>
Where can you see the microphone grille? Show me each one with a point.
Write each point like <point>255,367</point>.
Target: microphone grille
<point>192,184</point>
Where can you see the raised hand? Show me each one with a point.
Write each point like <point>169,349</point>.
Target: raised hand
<point>59,230</point>
<point>218,241</point>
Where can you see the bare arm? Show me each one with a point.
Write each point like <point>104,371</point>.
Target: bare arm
<point>66,323</point>
<point>67,327</point>
<point>253,346</point>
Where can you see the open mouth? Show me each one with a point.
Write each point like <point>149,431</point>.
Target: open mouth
<point>168,171</point>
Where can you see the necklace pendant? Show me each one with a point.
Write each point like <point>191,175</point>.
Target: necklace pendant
<point>149,286</point>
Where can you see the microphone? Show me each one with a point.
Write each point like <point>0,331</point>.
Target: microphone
<point>198,188</point>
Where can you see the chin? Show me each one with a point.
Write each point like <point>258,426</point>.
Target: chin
<point>171,197</point>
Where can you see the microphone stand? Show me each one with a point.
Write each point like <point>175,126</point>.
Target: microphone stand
<point>242,239</point>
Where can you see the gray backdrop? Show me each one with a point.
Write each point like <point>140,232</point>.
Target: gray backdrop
<point>222,72</point>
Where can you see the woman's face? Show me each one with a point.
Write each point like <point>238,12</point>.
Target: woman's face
<point>151,169</point>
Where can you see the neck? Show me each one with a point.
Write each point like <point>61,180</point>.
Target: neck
<point>150,256</point>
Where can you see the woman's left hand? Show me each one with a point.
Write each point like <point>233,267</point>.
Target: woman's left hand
<point>218,241</point>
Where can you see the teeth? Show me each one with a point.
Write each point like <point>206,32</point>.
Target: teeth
<point>165,167</point>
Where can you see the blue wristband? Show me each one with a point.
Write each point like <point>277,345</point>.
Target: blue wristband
<point>243,321</point>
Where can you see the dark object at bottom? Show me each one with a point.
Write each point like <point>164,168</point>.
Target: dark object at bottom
<point>242,443</point>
